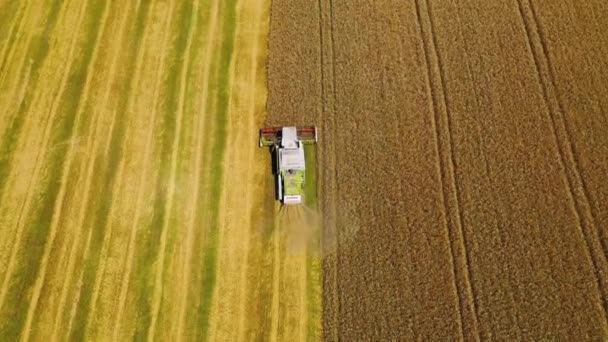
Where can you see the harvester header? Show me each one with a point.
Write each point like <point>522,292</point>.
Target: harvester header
<point>270,136</point>
<point>289,167</point>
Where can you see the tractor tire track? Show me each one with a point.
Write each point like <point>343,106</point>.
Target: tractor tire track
<point>569,158</point>
<point>460,245</point>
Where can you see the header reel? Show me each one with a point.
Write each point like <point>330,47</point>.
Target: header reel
<point>273,135</point>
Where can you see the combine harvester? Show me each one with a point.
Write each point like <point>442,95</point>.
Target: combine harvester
<point>287,148</point>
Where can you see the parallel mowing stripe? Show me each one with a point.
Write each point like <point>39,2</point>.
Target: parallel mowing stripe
<point>62,191</point>
<point>91,173</point>
<point>100,273</point>
<point>37,51</point>
<point>5,168</point>
<point>9,48</point>
<point>276,285</point>
<point>6,231</point>
<point>141,297</point>
<point>206,119</point>
<point>62,132</point>
<point>110,176</point>
<point>125,283</point>
<point>211,335</point>
<point>39,45</point>
<point>251,120</point>
<point>176,90</point>
<point>313,266</point>
<point>184,48</point>
<point>17,17</point>
<point>66,172</point>
<point>201,137</point>
<point>93,140</point>
<point>217,165</point>
<point>53,228</point>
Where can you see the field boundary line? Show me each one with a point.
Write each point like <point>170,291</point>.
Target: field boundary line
<point>574,182</point>
<point>446,165</point>
<point>42,150</point>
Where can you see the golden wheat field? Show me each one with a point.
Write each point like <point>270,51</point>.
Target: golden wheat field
<point>463,174</point>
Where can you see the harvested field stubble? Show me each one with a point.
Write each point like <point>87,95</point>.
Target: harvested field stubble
<point>134,200</point>
<point>468,145</point>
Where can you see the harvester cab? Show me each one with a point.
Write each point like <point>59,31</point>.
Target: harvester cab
<point>287,148</point>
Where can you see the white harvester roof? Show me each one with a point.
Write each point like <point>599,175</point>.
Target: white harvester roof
<point>292,158</point>
<point>289,137</point>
